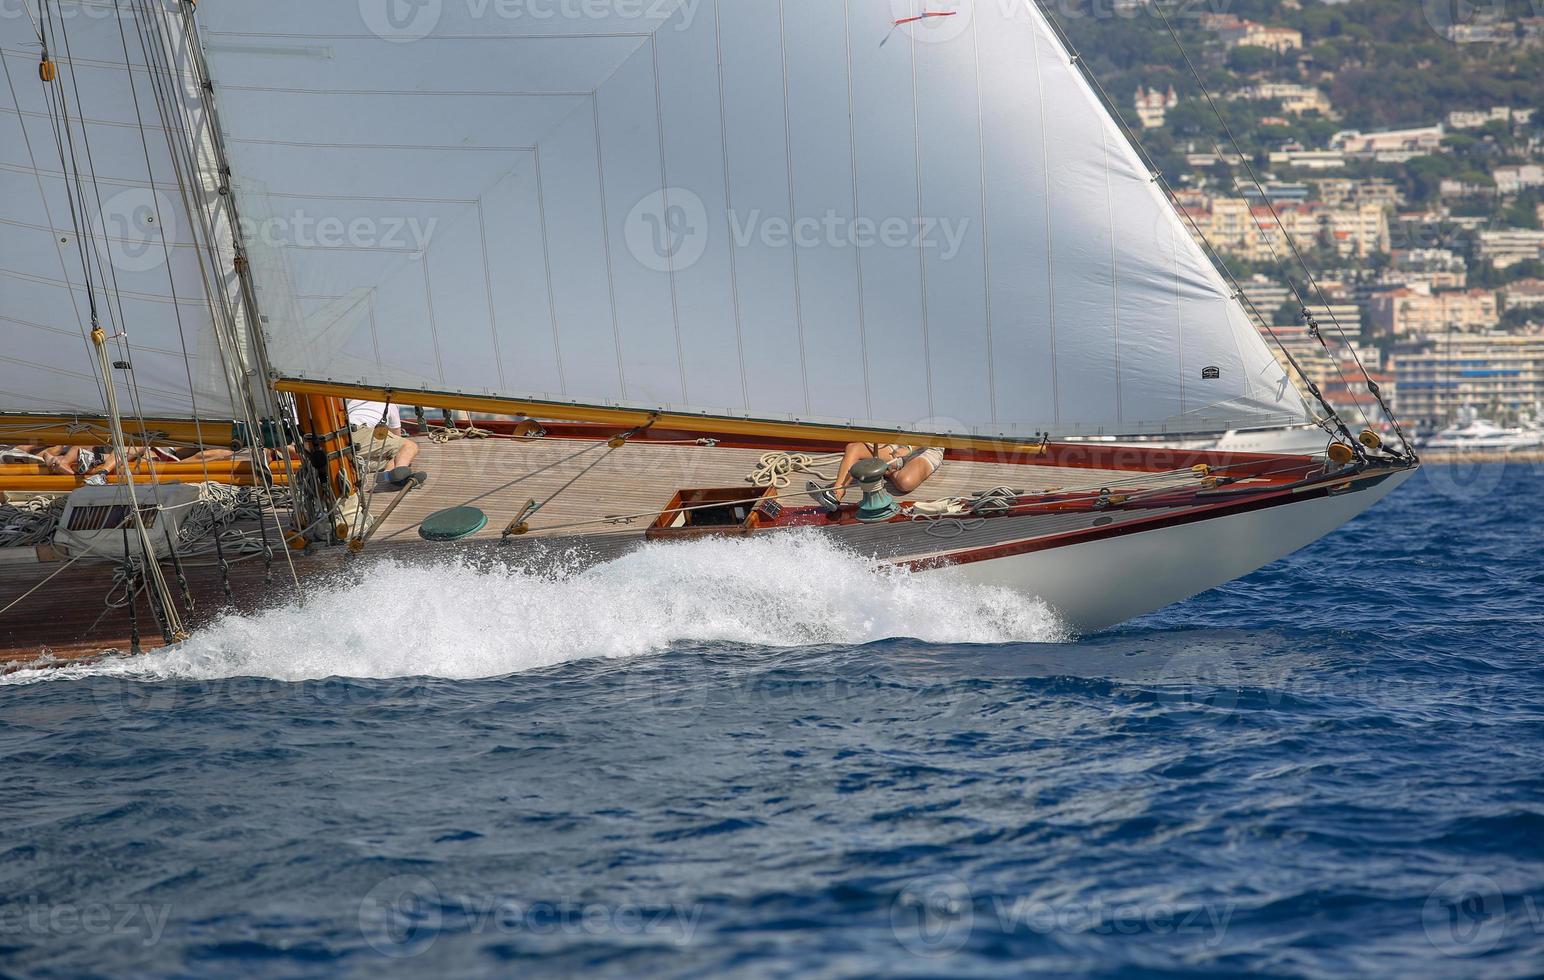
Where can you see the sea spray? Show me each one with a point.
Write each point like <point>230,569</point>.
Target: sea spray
<point>459,621</point>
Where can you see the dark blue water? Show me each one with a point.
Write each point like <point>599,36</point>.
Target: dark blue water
<point>1332,768</point>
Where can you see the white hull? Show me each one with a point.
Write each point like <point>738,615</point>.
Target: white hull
<point>1098,584</point>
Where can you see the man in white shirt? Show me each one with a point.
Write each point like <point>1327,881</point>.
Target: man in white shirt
<point>393,451</point>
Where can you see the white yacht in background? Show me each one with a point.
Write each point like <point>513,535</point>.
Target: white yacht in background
<point>1483,434</point>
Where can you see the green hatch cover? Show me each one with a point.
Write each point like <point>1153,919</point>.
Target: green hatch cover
<point>453,524</point>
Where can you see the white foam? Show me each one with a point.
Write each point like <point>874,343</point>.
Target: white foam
<point>461,622</point>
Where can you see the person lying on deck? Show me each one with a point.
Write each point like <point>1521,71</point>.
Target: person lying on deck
<point>394,450</point>
<point>61,460</point>
<point>910,467</point>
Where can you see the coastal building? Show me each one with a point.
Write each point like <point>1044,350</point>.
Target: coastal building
<point>1481,32</point>
<point>1524,294</point>
<point>1356,231</point>
<point>1278,191</point>
<point>1434,268</point>
<point>1153,106</point>
<point>1294,98</point>
<point>1498,375</point>
<point>1251,230</point>
<point>1267,295</point>
<point>1418,311</point>
<point>1476,118</point>
<point>1514,180</point>
<point>1509,246</point>
<point>1452,187</point>
<point>1247,32</point>
<point>1389,146</point>
<point>1307,159</point>
<point>1336,191</point>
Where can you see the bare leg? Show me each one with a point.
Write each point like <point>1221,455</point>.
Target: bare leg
<point>854,452</point>
<point>912,475</point>
<point>406,454</point>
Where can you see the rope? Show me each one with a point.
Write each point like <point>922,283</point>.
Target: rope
<point>30,522</point>
<point>452,433</point>
<point>777,469</point>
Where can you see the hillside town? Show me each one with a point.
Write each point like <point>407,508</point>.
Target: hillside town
<point>1425,240</point>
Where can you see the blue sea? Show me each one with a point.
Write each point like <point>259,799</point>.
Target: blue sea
<point>743,759</point>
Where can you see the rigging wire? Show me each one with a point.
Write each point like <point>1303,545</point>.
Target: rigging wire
<point>1291,242</point>
<point>59,116</point>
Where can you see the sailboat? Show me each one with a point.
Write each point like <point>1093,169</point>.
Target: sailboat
<point>704,242</point>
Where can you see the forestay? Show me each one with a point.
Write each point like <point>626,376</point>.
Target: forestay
<point>140,245</point>
<point>747,208</point>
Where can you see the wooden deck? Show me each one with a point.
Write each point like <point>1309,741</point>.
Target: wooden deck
<point>499,475</point>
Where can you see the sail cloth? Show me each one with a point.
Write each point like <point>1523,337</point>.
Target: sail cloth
<point>765,209</point>
<point>139,239</point>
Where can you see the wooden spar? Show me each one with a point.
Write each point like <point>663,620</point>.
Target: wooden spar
<point>67,430</point>
<point>324,420</point>
<point>215,468</point>
<point>35,478</point>
<point>632,418</point>
<point>53,485</point>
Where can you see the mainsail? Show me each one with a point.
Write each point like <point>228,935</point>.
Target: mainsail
<point>92,209</point>
<point>755,209</point>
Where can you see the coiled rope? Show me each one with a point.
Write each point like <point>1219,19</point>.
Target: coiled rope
<point>778,469</point>
<point>29,522</point>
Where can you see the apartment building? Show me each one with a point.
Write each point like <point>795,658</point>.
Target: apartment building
<point>1418,311</point>
<point>1509,246</point>
<point>1494,374</point>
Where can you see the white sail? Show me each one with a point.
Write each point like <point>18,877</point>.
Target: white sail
<point>141,246</point>
<point>770,209</point>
